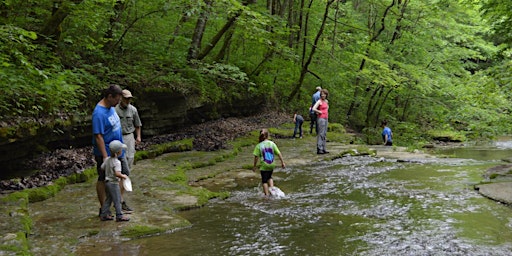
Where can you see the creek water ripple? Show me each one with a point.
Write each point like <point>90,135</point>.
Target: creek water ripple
<point>351,206</point>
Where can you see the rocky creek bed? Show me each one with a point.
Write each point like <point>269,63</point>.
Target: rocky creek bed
<point>163,186</point>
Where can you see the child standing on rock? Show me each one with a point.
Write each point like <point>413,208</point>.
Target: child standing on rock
<point>112,167</point>
<point>265,151</point>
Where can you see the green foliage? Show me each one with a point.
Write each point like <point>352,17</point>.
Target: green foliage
<point>336,127</point>
<point>425,64</point>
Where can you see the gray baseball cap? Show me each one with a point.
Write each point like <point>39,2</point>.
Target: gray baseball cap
<point>116,146</point>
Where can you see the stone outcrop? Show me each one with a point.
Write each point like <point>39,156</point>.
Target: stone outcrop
<point>161,112</point>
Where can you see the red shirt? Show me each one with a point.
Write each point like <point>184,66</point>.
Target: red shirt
<point>324,108</point>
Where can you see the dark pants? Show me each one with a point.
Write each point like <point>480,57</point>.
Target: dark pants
<point>113,197</point>
<point>298,127</point>
<point>313,118</point>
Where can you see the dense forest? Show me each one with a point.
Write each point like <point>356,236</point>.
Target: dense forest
<point>424,65</point>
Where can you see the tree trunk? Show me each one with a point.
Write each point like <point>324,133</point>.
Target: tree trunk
<point>219,35</point>
<point>52,27</point>
<point>305,67</point>
<point>195,45</point>
<point>119,7</point>
<point>371,26</point>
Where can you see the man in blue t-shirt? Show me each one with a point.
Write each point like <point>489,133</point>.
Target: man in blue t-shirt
<point>312,114</point>
<point>387,134</point>
<point>106,127</point>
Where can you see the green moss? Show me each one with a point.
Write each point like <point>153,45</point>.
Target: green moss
<point>178,177</point>
<point>204,195</point>
<point>156,150</point>
<point>19,245</point>
<point>140,231</point>
<point>42,193</point>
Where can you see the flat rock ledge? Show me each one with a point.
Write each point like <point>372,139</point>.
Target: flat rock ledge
<point>500,192</point>
<point>499,186</point>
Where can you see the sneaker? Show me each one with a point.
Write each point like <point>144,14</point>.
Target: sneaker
<point>106,218</point>
<point>126,208</point>
<point>122,218</point>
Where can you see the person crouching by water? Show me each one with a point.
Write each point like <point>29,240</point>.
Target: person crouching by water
<point>321,108</point>
<point>112,168</point>
<point>265,152</point>
<point>297,120</point>
<point>387,134</point>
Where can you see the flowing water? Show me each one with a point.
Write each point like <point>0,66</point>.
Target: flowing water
<point>352,206</point>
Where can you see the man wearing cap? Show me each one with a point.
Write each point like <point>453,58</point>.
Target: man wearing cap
<point>131,127</point>
<point>312,114</point>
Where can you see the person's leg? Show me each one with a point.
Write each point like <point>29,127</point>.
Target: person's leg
<point>265,189</point>
<point>100,184</point>
<point>265,177</point>
<point>300,129</point>
<point>129,140</point>
<point>105,208</point>
<point>116,199</point>
<point>312,117</point>
<point>130,160</point>
<point>124,170</point>
<point>324,135</point>
<point>322,129</point>
<point>296,129</point>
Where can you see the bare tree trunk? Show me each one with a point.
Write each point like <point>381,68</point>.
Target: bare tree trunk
<point>305,67</point>
<point>372,26</point>
<point>219,35</point>
<point>52,27</point>
<point>119,7</point>
<point>195,45</point>
<point>184,18</point>
<point>222,56</point>
<point>301,17</point>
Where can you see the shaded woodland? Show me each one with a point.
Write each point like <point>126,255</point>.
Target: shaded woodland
<point>425,66</point>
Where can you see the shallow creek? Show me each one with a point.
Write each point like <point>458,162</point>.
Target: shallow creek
<point>351,206</point>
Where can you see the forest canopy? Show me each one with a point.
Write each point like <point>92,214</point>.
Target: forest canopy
<point>422,65</point>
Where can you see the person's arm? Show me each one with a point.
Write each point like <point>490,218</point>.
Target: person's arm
<point>385,138</point>
<point>294,118</point>
<point>138,138</point>
<point>137,123</point>
<point>120,175</point>
<point>315,107</point>
<point>282,161</point>
<point>255,163</point>
<point>101,145</point>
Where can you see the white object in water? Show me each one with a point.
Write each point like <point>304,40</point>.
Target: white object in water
<point>127,184</point>
<point>276,192</point>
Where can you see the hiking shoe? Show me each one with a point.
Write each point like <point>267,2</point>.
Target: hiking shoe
<point>106,218</point>
<point>126,208</point>
<point>122,218</point>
